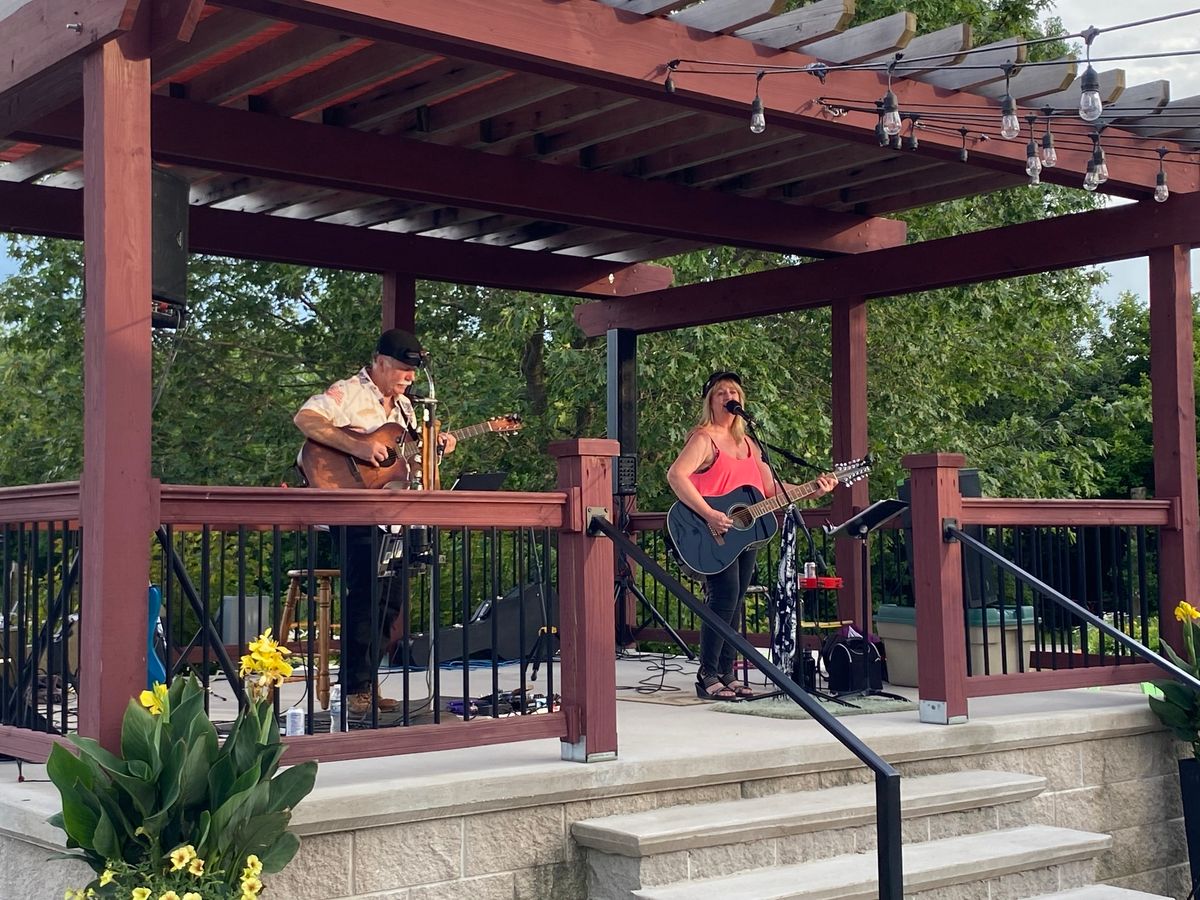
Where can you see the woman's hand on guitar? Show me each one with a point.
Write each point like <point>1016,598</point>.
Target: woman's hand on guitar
<point>826,483</point>
<point>718,522</point>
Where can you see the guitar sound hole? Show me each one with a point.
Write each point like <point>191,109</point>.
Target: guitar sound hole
<point>741,518</point>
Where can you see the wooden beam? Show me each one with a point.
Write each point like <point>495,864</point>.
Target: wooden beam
<point>1066,242</point>
<point>886,35</point>
<point>195,134</point>
<point>607,50</point>
<point>822,19</point>
<point>1175,119</point>
<point>211,36</point>
<point>945,45</point>
<point>380,108</point>
<point>37,163</point>
<point>953,78</point>
<point>1136,102</point>
<point>1032,82</point>
<point>725,16</point>
<point>54,212</point>
<point>174,22</point>
<point>1112,83</point>
<point>1173,401</point>
<point>119,498</point>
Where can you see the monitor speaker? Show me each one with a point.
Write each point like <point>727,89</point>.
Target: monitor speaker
<point>168,248</point>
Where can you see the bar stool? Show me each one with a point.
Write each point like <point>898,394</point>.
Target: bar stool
<point>324,579</point>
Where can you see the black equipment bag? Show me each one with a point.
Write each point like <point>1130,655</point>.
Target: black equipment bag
<point>852,664</point>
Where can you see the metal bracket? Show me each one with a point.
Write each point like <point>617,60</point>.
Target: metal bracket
<point>947,524</point>
<point>596,512</point>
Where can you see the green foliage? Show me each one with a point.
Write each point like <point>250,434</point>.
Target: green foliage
<point>173,786</point>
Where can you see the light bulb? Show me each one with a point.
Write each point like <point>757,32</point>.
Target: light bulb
<point>1049,156</point>
<point>963,155</point>
<point>1035,176</point>
<point>1010,125</point>
<point>892,123</point>
<point>913,142</point>
<point>881,135</point>
<point>758,120</point>
<point>1090,106</point>
<point>1161,192</point>
<point>1101,166</point>
<point>1033,164</point>
<point>1089,180</point>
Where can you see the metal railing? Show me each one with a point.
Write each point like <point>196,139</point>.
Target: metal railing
<point>1069,606</point>
<point>887,779</point>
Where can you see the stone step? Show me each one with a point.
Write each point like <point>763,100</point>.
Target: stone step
<point>928,866</point>
<point>1100,892</point>
<point>778,815</point>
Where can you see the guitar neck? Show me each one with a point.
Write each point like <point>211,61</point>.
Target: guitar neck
<point>783,499</point>
<point>412,451</point>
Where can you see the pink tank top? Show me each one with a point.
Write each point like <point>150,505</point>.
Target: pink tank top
<point>727,473</point>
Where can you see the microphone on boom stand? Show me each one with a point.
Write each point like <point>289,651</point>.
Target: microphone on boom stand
<point>736,408</point>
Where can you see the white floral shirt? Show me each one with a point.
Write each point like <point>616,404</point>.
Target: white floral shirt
<point>358,403</point>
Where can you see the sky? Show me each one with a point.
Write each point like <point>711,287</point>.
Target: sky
<point>1076,15</point>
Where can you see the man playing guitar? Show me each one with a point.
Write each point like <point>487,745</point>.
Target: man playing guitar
<point>347,417</point>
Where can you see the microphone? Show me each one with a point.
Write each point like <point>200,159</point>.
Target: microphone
<point>736,408</point>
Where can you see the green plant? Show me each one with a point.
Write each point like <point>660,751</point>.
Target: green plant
<point>178,814</point>
<point>1178,705</point>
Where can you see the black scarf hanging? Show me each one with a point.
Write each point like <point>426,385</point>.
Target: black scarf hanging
<point>787,597</point>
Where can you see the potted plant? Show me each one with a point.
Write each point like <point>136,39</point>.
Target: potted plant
<point>1178,707</point>
<point>178,814</point>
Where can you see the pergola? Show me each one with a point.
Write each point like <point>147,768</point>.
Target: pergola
<point>529,144</point>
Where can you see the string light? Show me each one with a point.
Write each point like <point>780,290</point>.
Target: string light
<point>963,154</point>
<point>913,143</point>
<point>1098,165</point>
<point>1049,155</point>
<point>1010,125</point>
<point>1033,163</point>
<point>892,123</point>
<point>1089,180</point>
<point>1161,193</point>
<point>1090,106</point>
<point>758,119</point>
<point>669,84</point>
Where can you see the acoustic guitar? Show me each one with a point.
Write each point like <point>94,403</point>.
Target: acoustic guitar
<point>704,552</point>
<point>327,467</point>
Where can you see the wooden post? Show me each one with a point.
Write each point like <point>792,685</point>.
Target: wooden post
<point>119,500</point>
<point>937,585</point>
<point>849,382</point>
<point>587,626</point>
<point>399,302</point>
<point>1173,402</point>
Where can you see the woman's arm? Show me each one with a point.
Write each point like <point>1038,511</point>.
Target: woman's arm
<point>695,455</point>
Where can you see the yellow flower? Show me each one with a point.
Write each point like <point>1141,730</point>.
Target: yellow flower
<point>1185,612</point>
<point>169,895</point>
<point>266,661</point>
<point>106,876</point>
<point>251,885</point>
<point>181,856</point>
<point>253,865</point>
<point>155,700</point>
<point>196,867</point>
<point>192,895</point>
<point>140,894</point>
<point>73,894</point>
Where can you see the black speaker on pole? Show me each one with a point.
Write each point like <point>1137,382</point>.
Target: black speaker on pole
<point>168,248</point>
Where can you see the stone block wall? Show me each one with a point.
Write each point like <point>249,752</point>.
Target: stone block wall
<point>1121,782</point>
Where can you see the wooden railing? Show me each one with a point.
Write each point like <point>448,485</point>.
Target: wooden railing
<point>584,721</point>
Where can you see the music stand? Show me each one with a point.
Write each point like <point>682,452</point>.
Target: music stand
<point>859,528</point>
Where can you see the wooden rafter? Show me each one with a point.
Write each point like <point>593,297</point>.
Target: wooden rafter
<point>194,134</point>
<point>58,213</point>
<point>1118,233</point>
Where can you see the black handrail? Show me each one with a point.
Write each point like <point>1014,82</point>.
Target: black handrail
<point>887,779</point>
<point>953,532</point>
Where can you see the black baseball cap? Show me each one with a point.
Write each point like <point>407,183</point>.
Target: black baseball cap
<point>719,376</point>
<point>402,347</point>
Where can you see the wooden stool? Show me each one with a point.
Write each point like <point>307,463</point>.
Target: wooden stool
<point>324,578</point>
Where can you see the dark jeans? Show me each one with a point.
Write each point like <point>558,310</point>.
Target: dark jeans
<point>726,596</point>
<point>365,637</point>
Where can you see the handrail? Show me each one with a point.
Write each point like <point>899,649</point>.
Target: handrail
<point>953,532</point>
<point>887,779</point>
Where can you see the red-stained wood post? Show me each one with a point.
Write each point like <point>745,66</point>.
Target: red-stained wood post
<point>937,585</point>
<point>399,306</point>
<point>587,625</point>
<point>119,498</point>
<point>1173,402</point>
<point>849,381</point>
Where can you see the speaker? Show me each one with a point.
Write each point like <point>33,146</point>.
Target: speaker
<point>520,606</point>
<point>168,247</point>
<point>852,664</point>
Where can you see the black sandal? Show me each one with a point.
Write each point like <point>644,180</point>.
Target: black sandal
<point>710,687</point>
<point>739,689</point>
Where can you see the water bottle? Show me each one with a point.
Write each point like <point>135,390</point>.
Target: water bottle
<point>810,570</point>
<point>335,709</point>
<point>294,721</point>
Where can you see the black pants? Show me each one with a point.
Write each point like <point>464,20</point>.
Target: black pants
<point>365,637</point>
<point>726,596</point>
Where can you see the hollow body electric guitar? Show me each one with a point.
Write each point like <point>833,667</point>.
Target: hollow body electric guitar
<point>326,467</point>
<point>704,552</point>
